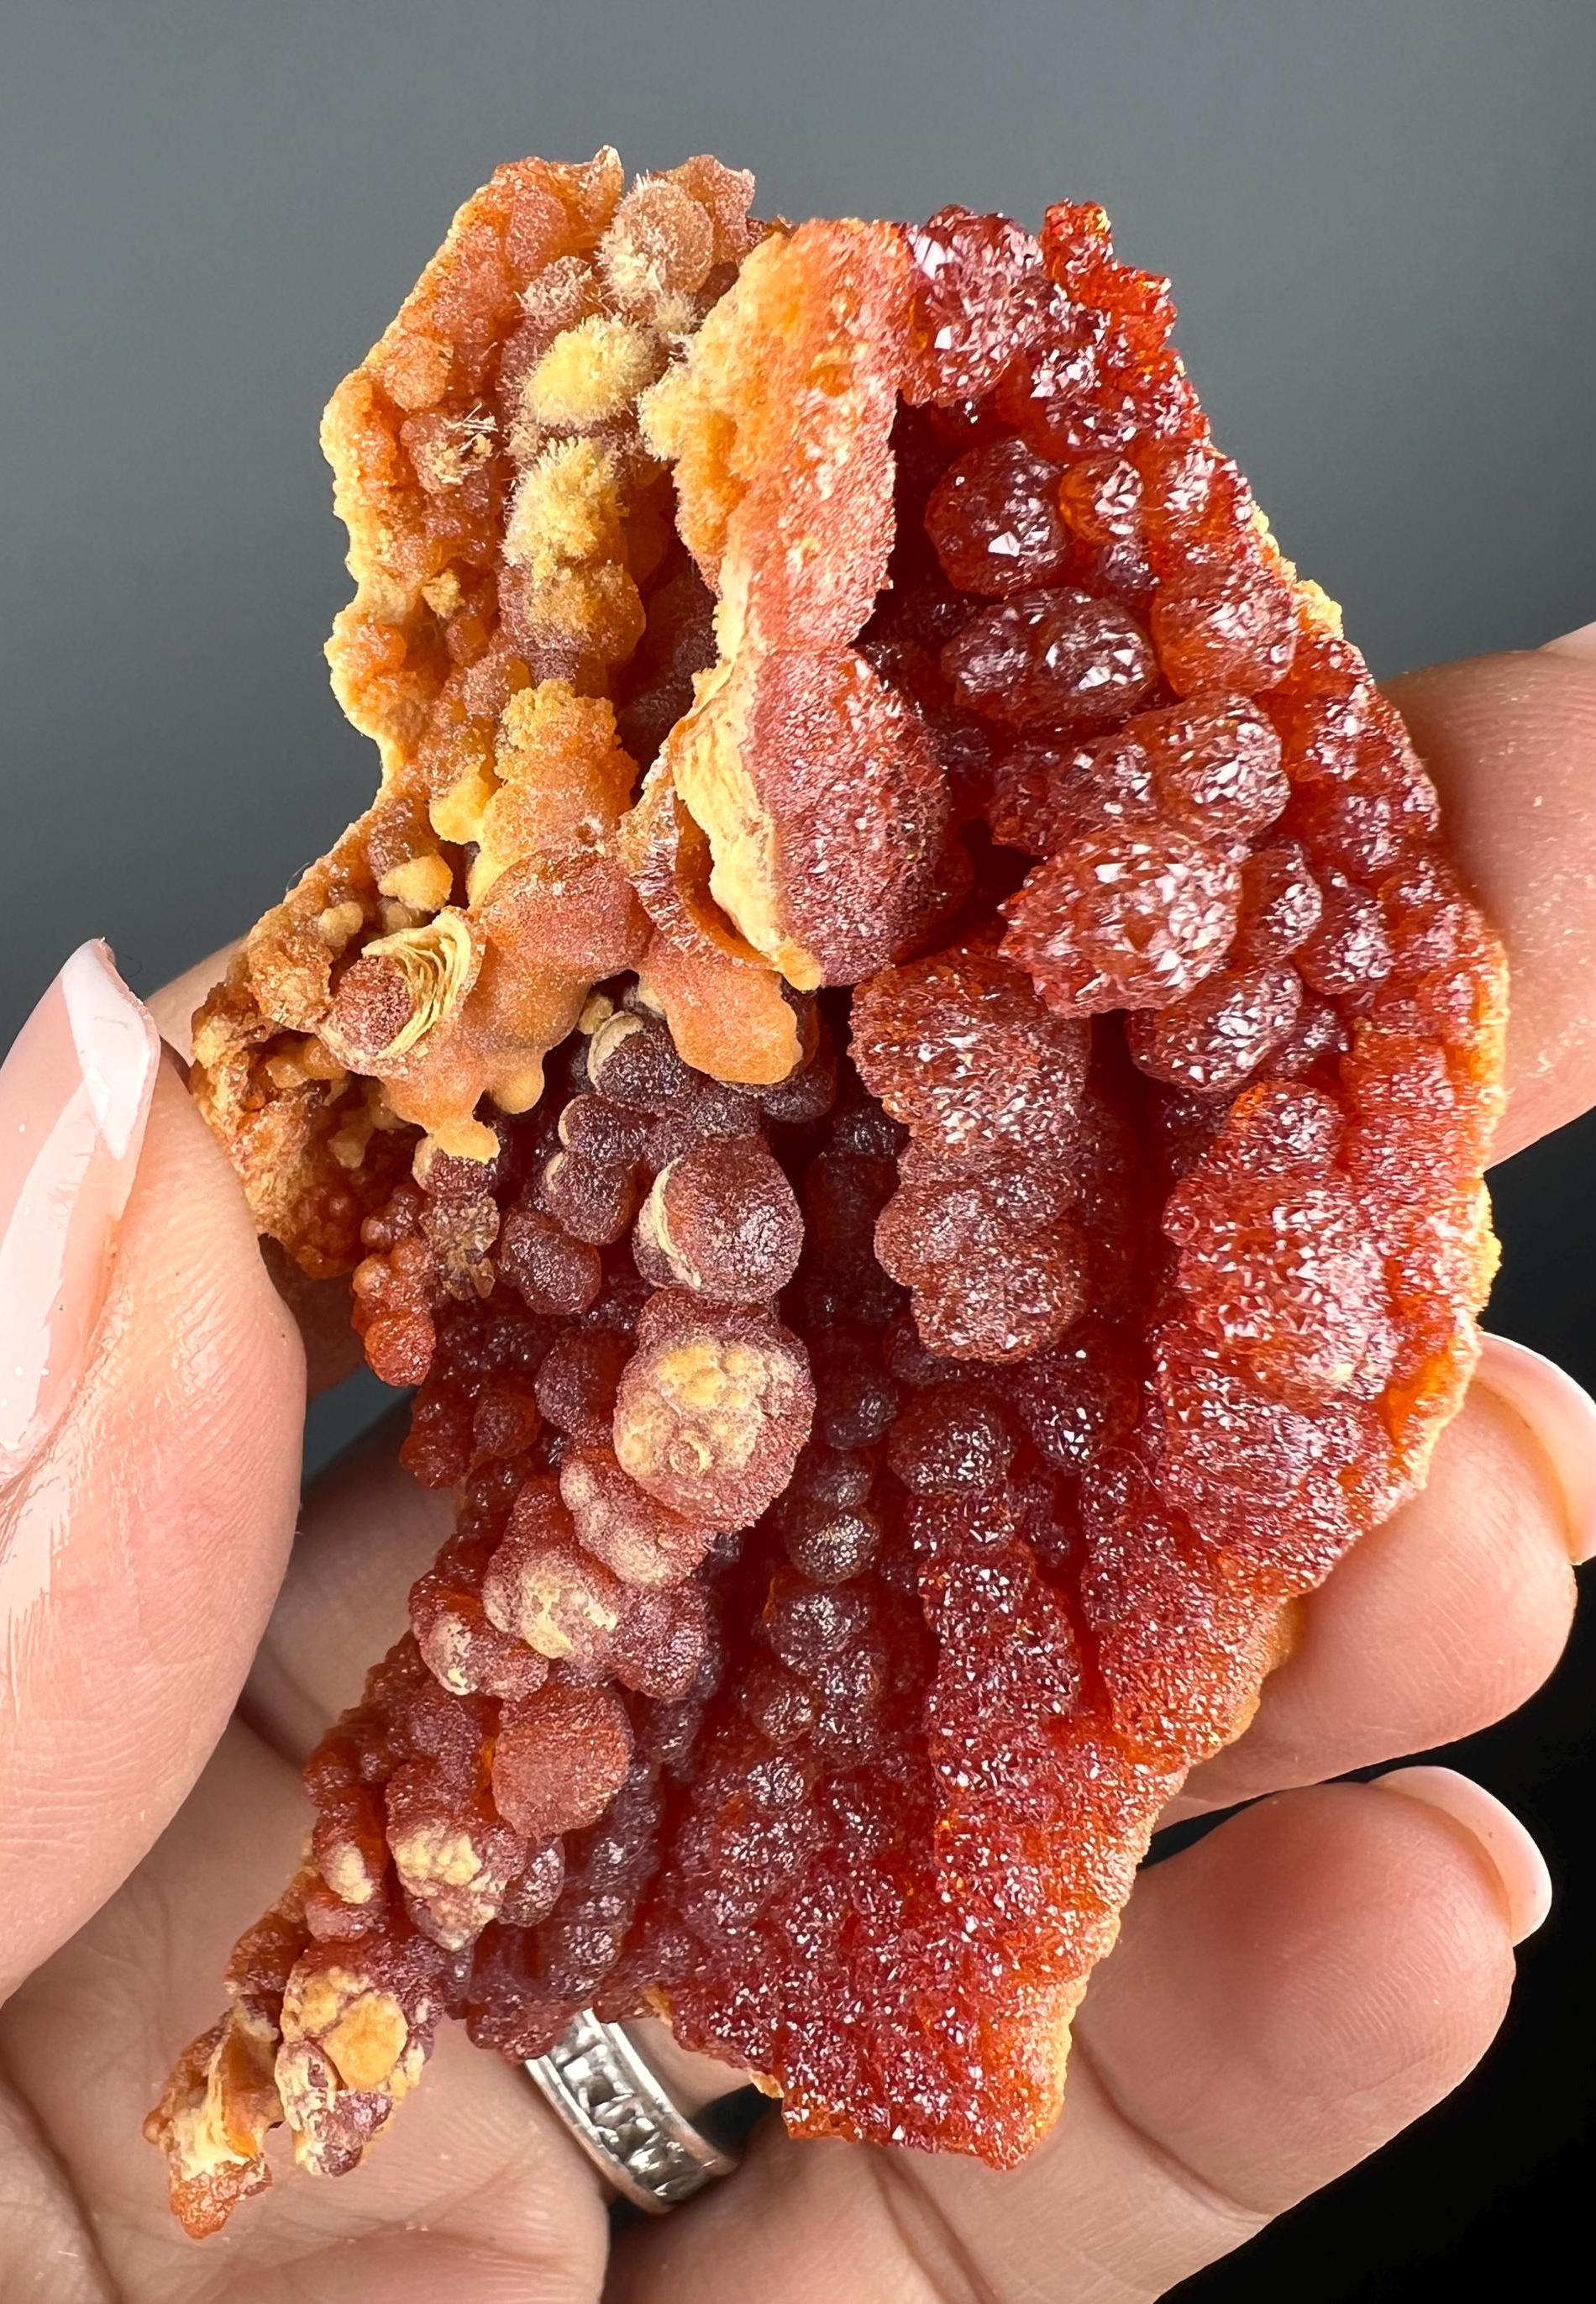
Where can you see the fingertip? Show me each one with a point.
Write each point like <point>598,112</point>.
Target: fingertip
<point>1560,1416</point>
<point>181,1445</point>
<point>140,1550</point>
<point>1509,1850</point>
<point>191,1260</point>
<point>1301,1984</point>
<point>1509,740</point>
<point>75,1093</point>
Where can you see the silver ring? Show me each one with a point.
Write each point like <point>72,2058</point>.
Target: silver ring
<point>614,2106</point>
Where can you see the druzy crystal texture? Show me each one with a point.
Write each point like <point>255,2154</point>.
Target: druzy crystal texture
<point>900,1066</point>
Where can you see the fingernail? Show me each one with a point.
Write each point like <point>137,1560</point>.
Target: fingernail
<point>1506,1844</point>
<point>1579,643</point>
<point>1562,1416</point>
<point>74,1095</point>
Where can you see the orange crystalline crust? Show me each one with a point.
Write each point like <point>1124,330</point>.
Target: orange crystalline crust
<point>900,1060</point>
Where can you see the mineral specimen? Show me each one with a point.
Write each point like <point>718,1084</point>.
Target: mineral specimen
<point>900,1063</point>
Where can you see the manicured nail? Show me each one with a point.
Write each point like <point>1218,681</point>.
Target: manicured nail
<point>1562,1416</point>
<point>1579,643</point>
<point>1506,1844</point>
<point>74,1095</point>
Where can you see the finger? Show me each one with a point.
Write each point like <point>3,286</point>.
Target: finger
<point>1446,1618</point>
<point>1285,1997</point>
<point>1511,742</point>
<point>145,1528</point>
<point>476,2185</point>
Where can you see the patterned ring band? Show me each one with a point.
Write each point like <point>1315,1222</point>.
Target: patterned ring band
<point>615,2108</point>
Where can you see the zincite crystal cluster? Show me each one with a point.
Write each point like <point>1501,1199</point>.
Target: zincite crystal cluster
<point>900,1065</point>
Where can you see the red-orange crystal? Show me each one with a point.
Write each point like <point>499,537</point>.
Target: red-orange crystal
<point>882,1469</point>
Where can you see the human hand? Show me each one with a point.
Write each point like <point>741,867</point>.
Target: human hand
<point>1285,1996</point>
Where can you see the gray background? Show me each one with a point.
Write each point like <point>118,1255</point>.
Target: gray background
<point>1381,222</point>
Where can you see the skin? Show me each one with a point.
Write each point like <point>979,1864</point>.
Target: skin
<point>1287,1995</point>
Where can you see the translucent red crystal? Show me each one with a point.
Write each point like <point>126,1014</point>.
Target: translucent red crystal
<point>1132,918</point>
<point>1058,658</point>
<point>995,519</point>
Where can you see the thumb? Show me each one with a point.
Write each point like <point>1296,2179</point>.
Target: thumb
<point>151,1397</point>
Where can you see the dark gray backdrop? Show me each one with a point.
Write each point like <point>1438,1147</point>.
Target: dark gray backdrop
<point>1381,222</point>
